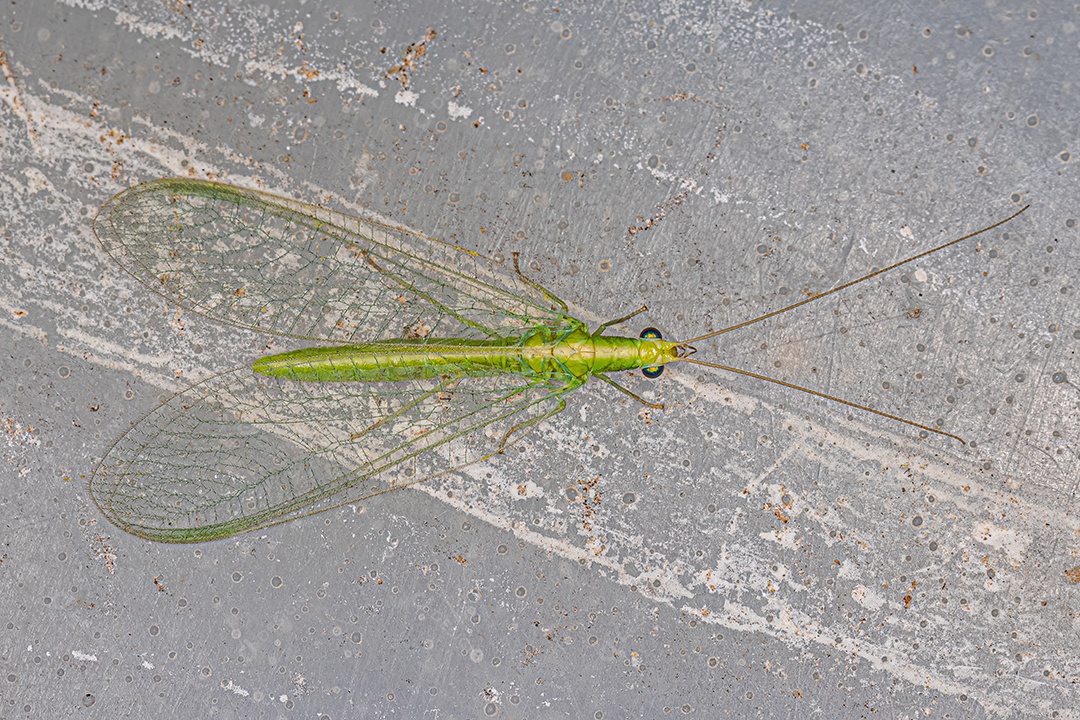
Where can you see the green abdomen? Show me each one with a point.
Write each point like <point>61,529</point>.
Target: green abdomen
<point>391,361</point>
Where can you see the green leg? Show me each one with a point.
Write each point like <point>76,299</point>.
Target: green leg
<point>551,297</point>
<point>600,330</point>
<point>395,415</point>
<point>620,388</point>
<point>528,425</point>
<point>405,285</point>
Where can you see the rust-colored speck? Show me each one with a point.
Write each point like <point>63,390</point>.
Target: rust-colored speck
<point>570,175</point>
<point>410,59</point>
<point>779,513</point>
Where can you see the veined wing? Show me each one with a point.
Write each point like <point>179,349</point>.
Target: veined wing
<point>259,261</point>
<point>241,451</point>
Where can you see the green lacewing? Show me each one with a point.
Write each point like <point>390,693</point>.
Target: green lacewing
<point>430,357</point>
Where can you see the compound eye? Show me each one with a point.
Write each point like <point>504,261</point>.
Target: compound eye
<point>651,333</point>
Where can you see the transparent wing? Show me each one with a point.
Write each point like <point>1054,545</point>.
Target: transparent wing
<point>275,265</point>
<point>240,451</point>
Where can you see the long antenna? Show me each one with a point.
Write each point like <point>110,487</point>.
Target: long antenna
<point>818,296</point>
<point>842,401</point>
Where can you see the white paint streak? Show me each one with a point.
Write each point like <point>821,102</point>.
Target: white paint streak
<point>668,590</point>
<point>867,597</point>
<point>1002,538</point>
<point>798,628</point>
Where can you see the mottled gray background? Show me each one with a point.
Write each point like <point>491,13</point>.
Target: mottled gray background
<point>751,552</point>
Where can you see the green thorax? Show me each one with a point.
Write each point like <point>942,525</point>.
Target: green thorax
<point>543,351</point>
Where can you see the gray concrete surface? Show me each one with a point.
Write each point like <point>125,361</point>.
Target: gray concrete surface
<point>750,552</point>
